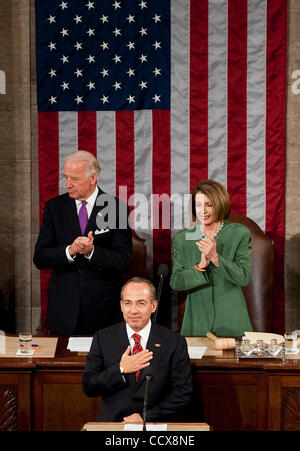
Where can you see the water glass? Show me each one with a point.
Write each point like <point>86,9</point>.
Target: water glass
<point>290,339</point>
<point>25,343</point>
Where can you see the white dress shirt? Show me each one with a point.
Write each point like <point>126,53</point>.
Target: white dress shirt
<point>144,334</point>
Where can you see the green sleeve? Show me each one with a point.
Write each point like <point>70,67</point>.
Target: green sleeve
<point>185,276</point>
<point>238,270</point>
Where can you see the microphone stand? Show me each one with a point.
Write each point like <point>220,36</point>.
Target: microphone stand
<point>148,379</point>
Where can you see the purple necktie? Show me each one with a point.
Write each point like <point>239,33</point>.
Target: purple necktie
<point>83,216</point>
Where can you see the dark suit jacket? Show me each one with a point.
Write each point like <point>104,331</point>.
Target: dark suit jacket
<point>170,389</point>
<point>89,289</point>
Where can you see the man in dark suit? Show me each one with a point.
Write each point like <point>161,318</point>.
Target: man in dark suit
<point>86,241</point>
<point>115,372</point>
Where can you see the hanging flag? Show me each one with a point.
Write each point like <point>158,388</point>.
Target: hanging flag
<point>165,93</point>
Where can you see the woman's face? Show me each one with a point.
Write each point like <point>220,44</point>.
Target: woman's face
<point>204,209</point>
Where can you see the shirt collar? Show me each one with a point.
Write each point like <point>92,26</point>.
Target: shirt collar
<point>90,200</point>
<point>144,333</point>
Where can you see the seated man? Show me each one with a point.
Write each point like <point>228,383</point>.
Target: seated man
<point>117,360</point>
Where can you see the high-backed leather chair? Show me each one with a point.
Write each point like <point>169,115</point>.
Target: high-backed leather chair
<point>258,293</point>
<point>139,258</point>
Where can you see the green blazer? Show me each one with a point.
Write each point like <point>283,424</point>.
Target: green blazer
<point>215,301</point>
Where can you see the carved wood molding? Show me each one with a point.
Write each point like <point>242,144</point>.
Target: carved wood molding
<point>8,408</point>
<point>290,409</point>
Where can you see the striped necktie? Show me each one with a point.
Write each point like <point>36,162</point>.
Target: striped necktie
<point>137,348</point>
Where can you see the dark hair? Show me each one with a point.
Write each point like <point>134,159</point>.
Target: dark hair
<point>218,196</point>
<point>141,280</point>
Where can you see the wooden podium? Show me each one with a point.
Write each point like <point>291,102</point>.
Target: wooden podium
<point>180,427</point>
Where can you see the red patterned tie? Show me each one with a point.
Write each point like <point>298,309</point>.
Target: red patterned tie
<point>137,348</point>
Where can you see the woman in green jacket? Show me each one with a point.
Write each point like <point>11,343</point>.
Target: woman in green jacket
<point>212,261</point>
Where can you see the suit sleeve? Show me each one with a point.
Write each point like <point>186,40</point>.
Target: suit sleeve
<point>183,277</point>
<point>238,269</point>
<point>178,391</point>
<point>48,254</point>
<point>98,380</point>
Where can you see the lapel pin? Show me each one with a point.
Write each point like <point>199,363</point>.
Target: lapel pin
<point>157,345</point>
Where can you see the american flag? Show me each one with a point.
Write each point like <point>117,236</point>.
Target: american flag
<point>166,93</point>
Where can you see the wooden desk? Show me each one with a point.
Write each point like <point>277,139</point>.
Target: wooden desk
<point>95,426</point>
<point>46,394</point>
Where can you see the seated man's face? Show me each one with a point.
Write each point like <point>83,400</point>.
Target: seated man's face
<point>136,305</point>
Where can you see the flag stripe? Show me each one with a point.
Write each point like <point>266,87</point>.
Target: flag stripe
<point>87,131</point>
<point>217,91</point>
<point>68,141</point>
<point>125,152</point>
<point>198,92</point>
<point>256,112</point>
<point>237,104</point>
<point>106,150</point>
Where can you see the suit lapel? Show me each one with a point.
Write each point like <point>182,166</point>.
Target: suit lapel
<point>155,345</point>
<point>72,216</point>
<point>92,224</point>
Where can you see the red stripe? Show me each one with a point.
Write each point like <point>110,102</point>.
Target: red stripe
<point>237,105</point>
<point>125,152</point>
<point>198,91</point>
<point>87,131</point>
<point>161,184</point>
<point>275,148</point>
<point>48,148</point>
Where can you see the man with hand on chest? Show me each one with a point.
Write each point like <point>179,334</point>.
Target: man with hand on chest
<point>120,355</point>
<point>86,259</point>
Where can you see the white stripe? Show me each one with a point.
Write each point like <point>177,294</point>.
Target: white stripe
<point>256,111</point>
<point>180,77</point>
<point>217,90</point>
<point>143,157</point>
<point>68,141</point>
<point>106,150</point>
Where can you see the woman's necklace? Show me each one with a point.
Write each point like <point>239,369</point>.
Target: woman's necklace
<point>204,235</point>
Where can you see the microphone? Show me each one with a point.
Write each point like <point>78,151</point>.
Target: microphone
<point>148,376</point>
<point>162,273</point>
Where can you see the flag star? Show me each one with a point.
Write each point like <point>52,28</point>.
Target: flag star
<point>143,58</point>
<point>104,73</point>
<point>143,4</point>
<point>116,5</point>
<point>64,5</point>
<point>78,46</point>
<point>157,72</point>
<point>130,45</point>
<point>53,99</point>
<point>51,19</point>
<point>117,32</point>
<point>90,5</point>
<point>156,18</point>
<point>64,32</point>
<point>52,46</point>
<point>104,99</point>
<point>78,72</point>
<point>91,85</point>
<point>104,18</point>
<point>143,84</point>
<point>77,18</point>
<point>143,31</point>
<point>65,59</point>
<point>90,32</point>
<point>157,45</point>
<point>65,85</point>
<point>52,73</point>
<point>156,98</point>
<point>117,59</point>
<point>104,45</point>
<point>130,99</point>
<point>130,72</point>
<point>117,85</point>
<point>91,59</point>
<point>78,100</point>
<point>130,18</point>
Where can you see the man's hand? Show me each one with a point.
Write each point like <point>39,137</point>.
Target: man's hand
<point>82,245</point>
<point>134,418</point>
<point>135,362</point>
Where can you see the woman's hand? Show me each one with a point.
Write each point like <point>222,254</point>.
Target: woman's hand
<point>208,247</point>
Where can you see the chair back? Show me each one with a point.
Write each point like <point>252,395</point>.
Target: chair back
<point>139,258</point>
<point>258,293</point>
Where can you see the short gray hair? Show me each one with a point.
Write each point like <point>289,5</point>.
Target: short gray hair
<point>92,164</point>
<point>141,280</point>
